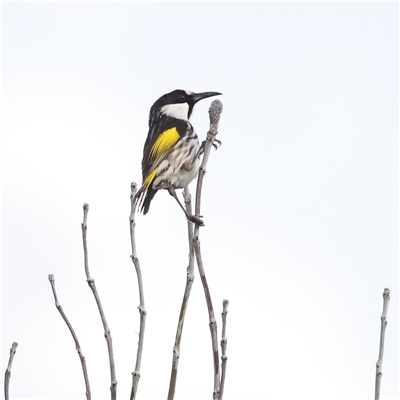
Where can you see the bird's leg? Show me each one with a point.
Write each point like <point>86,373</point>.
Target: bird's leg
<point>192,218</point>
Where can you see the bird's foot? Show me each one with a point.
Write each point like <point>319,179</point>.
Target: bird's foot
<point>216,143</point>
<point>196,220</point>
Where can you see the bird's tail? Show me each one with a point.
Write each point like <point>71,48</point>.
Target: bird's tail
<point>143,198</point>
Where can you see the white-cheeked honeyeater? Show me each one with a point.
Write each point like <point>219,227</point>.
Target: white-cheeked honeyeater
<point>171,154</point>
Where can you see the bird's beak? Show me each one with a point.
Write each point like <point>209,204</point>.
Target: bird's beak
<point>200,96</point>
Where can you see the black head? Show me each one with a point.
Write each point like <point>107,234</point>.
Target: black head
<point>179,103</point>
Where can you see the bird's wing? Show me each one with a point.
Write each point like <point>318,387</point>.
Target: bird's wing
<point>160,141</point>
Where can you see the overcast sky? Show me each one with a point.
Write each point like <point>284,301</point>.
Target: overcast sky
<point>300,202</point>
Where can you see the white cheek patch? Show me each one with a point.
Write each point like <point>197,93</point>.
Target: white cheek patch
<point>179,110</point>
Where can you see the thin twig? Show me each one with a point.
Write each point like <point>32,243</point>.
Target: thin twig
<point>77,345</point>
<point>215,113</point>
<point>7,374</point>
<point>386,298</point>
<point>90,281</point>
<point>185,301</point>
<point>224,342</point>
<point>142,310</point>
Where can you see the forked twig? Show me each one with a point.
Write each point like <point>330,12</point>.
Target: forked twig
<point>142,310</point>
<point>90,281</point>
<point>224,342</point>
<point>7,374</point>
<point>77,345</point>
<point>185,301</point>
<point>215,113</point>
<point>386,298</point>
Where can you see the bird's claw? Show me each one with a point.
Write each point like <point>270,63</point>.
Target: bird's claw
<point>216,145</point>
<point>196,220</point>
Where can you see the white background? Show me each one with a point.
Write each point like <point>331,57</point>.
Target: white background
<point>300,202</point>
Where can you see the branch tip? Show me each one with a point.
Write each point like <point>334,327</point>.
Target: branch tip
<point>85,214</point>
<point>7,374</point>
<point>215,110</point>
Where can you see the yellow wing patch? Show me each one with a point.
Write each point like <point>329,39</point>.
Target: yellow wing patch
<point>149,179</point>
<point>164,142</point>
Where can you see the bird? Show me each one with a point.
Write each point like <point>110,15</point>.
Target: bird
<point>171,153</point>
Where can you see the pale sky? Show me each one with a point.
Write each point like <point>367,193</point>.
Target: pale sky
<point>300,202</point>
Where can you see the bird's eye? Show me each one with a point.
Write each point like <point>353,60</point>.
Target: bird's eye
<point>182,97</point>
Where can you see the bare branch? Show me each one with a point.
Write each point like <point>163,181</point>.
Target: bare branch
<point>90,281</point>
<point>224,342</point>
<point>386,298</point>
<point>7,374</point>
<point>215,113</point>
<point>211,315</point>
<point>185,301</point>
<point>142,310</point>
<point>77,345</point>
